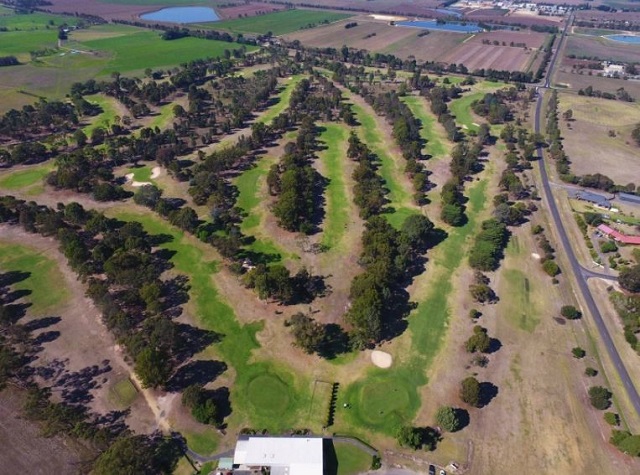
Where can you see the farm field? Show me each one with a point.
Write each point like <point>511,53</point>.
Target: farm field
<point>588,143</point>
<point>98,50</point>
<point>601,48</point>
<point>475,55</point>
<point>380,37</point>
<point>278,23</point>
<point>566,79</point>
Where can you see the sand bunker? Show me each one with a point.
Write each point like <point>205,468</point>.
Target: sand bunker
<point>155,173</point>
<point>535,255</point>
<point>381,359</point>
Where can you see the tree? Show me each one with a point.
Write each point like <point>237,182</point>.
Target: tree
<point>479,341</point>
<point>626,443</point>
<point>80,138</point>
<point>139,455</point>
<point>203,407</point>
<point>408,436</point>
<point>153,367</point>
<point>612,418</point>
<point>470,391</point>
<point>629,278</point>
<point>570,312</point>
<point>567,115</point>
<point>550,267</point>
<point>308,334</point>
<point>147,195</point>
<point>600,397</point>
<point>418,230</point>
<point>578,352</point>
<point>591,372</point>
<point>448,418</point>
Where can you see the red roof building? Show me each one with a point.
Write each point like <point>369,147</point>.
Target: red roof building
<point>618,236</point>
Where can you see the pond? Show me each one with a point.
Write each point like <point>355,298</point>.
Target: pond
<point>182,15</point>
<point>633,39</point>
<point>449,26</point>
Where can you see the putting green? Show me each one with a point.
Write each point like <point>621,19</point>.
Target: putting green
<point>269,395</point>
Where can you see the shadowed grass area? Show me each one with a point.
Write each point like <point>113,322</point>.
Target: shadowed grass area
<point>44,276</point>
<point>250,405</point>
<point>26,178</point>
<point>351,460</point>
<point>387,399</point>
<point>434,144</point>
<point>334,137</point>
<point>203,443</point>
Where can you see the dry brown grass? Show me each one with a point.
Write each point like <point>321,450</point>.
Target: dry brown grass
<point>587,141</point>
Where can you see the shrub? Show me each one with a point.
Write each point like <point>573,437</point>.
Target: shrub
<point>600,397</point>
<point>608,246</point>
<point>570,312</point>
<point>612,418</point>
<point>470,391</point>
<point>591,372</point>
<point>448,418</point>
<point>479,341</point>
<point>578,352</point>
<point>627,443</point>
<point>473,313</point>
<point>550,267</point>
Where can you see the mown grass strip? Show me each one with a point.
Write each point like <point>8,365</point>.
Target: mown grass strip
<point>434,144</point>
<point>334,137</point>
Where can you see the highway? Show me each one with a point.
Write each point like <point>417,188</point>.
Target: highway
<point>580,273</point>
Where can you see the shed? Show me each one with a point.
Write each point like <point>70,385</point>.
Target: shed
<point>283,455</point>
<point>628,197</point>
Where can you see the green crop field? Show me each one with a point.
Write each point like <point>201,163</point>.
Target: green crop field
<point>145,49</point>
<point>43,276</point>
<point>35,21</point>
<point>279,23</point>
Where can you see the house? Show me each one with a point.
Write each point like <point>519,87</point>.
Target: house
<point>594,198</point>
<point>281,455</point>
<point>618,236</point>
<point>613,70</point>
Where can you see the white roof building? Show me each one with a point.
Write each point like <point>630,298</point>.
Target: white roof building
<point>283,455</point>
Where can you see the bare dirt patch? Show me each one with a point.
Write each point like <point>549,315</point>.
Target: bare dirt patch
<point>81,340</point>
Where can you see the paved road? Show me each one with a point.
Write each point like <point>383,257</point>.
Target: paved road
<point>581,274</point>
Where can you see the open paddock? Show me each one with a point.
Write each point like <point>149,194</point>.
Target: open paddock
<point>575,81</point>
<point>246,10</point>
<point>602,49</point>
<point>279,23</point>
<point>588,143</point>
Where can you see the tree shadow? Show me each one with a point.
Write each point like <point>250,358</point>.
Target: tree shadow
<point>193,340</point>
<point>195,372</point>
<point>336,342</point>
<point>463,416</point>
<point>46,337</point>
<point>13,277</point>
<point>222,400</point>
<point>41,323</point>
<point>14,295</point>
<point>488,391</point>
<point>494,345</point>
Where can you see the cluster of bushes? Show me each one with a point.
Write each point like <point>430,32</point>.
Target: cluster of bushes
<point>297,185</point>
<point>8,61</point>
<point>480,289</point>
<point>369,191</point>
<point>406,132</point>
<point>479,341</point>
<point>493,108</point>
<point>488,248</point>
<point>621,94</point>
<point>39,119</point>
<point>349,25</point>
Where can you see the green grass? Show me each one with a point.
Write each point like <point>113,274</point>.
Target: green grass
<point>26,178</point>
<point>518,307</point>
<point>106,118</point>
<point>461,109</point>
<point>36,21</point>
<point>334,137</point>
<point>123,393</point>
<point>248,184</point>
<point>142,174</point>
<point>203,443</point>
<point>283,100</point>
<point>45,280</point>
<point>145,49</point>
<point>434,145</point>
<point>351,459</point>
<point>20,43</point>
<point>238,341</point>
<point>399,197</point>
<point>387,399</point>
<point>164,117</point>
<point>278,23</point>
